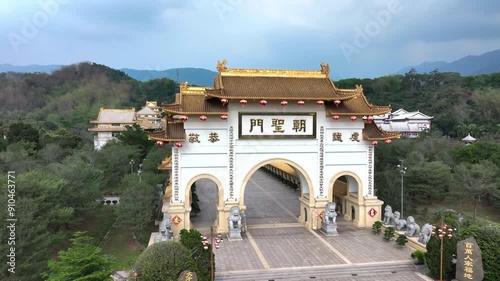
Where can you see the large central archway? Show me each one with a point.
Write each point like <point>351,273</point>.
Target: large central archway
<point>285,201</point>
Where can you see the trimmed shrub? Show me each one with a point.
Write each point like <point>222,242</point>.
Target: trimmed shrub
<point>164,261</point>
<point>377,227</point>
<point>401,240</point>
<point>419,256</point>
<point>389,233</point>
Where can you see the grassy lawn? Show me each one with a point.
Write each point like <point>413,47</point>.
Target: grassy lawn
<point>486,214</point>
<point>119,243</point>
<point>121,246</point>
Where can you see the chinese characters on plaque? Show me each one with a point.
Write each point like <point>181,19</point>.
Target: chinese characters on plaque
<point>337,136</point>
<point>291,125</point>
<point>212,137</point>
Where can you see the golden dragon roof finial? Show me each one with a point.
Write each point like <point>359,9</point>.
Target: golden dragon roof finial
<point>325,68</point>
<point>221,66</point>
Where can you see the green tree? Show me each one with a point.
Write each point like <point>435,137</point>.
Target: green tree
<point>137,204</point>
<point>47,190</point>
<point>83,261</point>
<point>164,261</point>
<point>83,182</point>
<point>477,180</point>
<point>477,152</point>
<point>33,240</point>
<point>113,159</point>
<point>192,240</point>
<point>20,131</point>
<point>134,135</point>
<point>433,255</point>
<point>429,179</point>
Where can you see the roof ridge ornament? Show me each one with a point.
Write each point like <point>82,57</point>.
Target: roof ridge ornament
<point>359,88</point>
<point>221,66</point>
<point>325,68</point>
<point>184,86</point>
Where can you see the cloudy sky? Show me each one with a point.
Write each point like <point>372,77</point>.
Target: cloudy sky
<point>364,38</point>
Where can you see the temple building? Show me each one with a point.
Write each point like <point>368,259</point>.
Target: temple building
<point>251,118</point>
<point>149,116</point>
<point>408,124</point>
<point>111,122</point>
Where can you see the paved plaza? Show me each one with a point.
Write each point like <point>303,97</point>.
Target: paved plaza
<point>277,247</point>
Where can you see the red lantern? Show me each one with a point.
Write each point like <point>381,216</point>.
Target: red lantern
<point>263,102</point>
<point>369,118</point>
<point>224,101</point>
<point>300,102</point>
<point>320,102</point>
<point>203,118</point>
<point>284,103</point>
<point>178,144</point>
<point>353,118</point>
<point>159,143</point>
<point>335,117</point>
<point>374,143</point>
<point>223,117</point>
<point>184,118</point>
<point>388,141</point>
<point>243,102</point>
<point>336,102</point>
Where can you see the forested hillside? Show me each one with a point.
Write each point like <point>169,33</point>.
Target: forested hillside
<point>59,178</point>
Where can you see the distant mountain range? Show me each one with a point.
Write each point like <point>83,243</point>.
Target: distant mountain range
<point>466,66</point>
<point>195,76</point>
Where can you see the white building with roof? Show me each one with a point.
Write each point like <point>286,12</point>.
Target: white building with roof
<point>408,124</point>
<point>111,122</point>
<point>149,117</point>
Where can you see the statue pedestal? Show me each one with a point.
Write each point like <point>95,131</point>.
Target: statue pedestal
<point>234,235</point>
<point>330,229</point>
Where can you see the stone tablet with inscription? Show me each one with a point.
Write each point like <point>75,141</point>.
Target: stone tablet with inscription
<point>188,275</point>
<point>469,262</point>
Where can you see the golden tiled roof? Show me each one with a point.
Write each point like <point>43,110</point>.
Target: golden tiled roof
<point>174,132</point>
<point>195,104</point>
<point>278,88</point>
<point>372,132</point>
<point>166,164</point>
<point>358,105</point>
<point>274,84</point>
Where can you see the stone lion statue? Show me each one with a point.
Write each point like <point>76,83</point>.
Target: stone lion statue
<point>425,233</point>
<point>388,215</point>
<point>330,215</point>
<point>412,228</point>
<point>165,229</point>
<point>166,223</point>
<point>399,223</point>
<point>234,219</point>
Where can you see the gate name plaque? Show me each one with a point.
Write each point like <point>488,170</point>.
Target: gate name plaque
<point>277,126</point>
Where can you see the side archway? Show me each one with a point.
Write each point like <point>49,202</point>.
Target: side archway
<point>346,190</point>
<point>187,198</point>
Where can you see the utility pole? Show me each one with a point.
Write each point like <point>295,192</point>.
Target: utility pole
<point>402,170</point>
